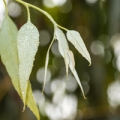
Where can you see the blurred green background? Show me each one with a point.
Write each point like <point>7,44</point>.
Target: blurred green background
<point>98,22</point>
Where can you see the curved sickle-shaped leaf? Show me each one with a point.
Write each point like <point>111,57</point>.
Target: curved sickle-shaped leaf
<point>63,46</point>
<point>75,38</point>
<point>64,53</point>
<point>69,60</point>
<point>27,44</point>
<point>46,65</point>
<point>71,65</point>
<point>67,55</point>
<point>9,57</point>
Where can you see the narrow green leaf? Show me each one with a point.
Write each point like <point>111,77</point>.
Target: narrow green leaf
<point>72,67</point>
<point>61,37</point>
<point>72,58</point>
<point>75,38</point>
<point>67,55</point>
<point>63,46</point>
<point>30,102</point>
<point>64,52</point>
<point>46,65</point>
<point>27,44</point>
<point>8,50</point>
<point>9,57</point>
<point>69,59</point>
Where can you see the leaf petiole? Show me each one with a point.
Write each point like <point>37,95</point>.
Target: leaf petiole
<point>62,27</point>
<point>40,10</point>
<point>28,12</point>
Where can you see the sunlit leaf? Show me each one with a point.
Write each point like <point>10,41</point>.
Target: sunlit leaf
<point>8,50</point>
<point>27,44</point>
<point>61,37</point>
<point>72,67</point>
<point>46,62</point>
<point>64,53</point>
<point>72,58</point>
<point>63,46</point>
<point>67,55</point>
<point>9,57</point>
<point>30,102</point>
<point>46,65</point>
<point>75,38</point>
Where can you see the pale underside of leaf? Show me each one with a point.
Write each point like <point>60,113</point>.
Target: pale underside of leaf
<point>63,46</point>
<point>46,65</point>
<point>61,37</point>
<point>64,53</point>
<point>72,58</point>
<point>75,38</point>
<point>67,55</point>
<point>71,65</point>
<point>47,60</point>
<point>9,57</point>
<point>27,44</point>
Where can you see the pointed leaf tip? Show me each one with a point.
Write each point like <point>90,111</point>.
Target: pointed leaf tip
<point>72,67</point>
<point>27,44</point>
<point>75,38</point>
<point>9,57</point>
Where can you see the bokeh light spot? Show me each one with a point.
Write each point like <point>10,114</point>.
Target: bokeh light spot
<point>40,75</point>
<point>71,83</point>
<point>39,97</point>
<point>14,9</point>
<point>91,1</point>
<point>66,7</point>
<point>53,3</point>
<point>55,50</point>
<point>114,94</point>
<point>97,48</point>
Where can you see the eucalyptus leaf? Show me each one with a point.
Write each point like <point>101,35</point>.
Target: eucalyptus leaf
<point>64,52</point>
<point>67,55</point>
<point>72,67</point>
<point>75,38</point>
<point>61,37</point>
<point>69,59</point>
<point>9,57</point>
<point>63,46</point>
<point>27,44</point>
<point>46,65</point>
<point>8,50</point>
<point>46,62</point>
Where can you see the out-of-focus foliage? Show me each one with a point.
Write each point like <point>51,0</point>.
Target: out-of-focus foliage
<point>98,22</point>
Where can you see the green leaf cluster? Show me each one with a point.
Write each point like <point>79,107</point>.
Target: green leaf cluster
<point>18,49</point>
<point>9,57</point>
